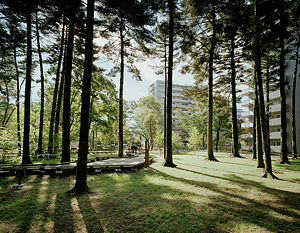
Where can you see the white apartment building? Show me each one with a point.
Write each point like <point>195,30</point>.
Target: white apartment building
<point>275,113</point>
<point>179,101</point>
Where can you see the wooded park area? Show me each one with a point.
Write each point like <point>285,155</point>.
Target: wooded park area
<point>223,44</point>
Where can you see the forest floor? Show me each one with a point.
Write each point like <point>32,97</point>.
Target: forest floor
<point>196,196</point>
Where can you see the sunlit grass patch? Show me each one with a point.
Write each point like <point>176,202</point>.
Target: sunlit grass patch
<point>196,196</point>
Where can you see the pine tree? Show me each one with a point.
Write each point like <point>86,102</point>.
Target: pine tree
<point>127,21</point>
<point>81,172</point>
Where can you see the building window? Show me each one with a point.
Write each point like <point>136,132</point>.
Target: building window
<point>275,103</point>
<point>276,143</point>
<point>276,130</point>
<point>275,116</point>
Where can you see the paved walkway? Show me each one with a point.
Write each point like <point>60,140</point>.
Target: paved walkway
<point>114,164</point>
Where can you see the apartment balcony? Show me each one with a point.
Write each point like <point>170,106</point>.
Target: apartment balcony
<point>248,91</point>
<point>179,100</point>
<point>247,114</point>
<point>247,125</point>
<point>275,135</point>
<point>176,105</point>
<point>246,136</point>
<point>275,122</point>
<point>275,108</point>
<point>274,95</point>
<point>247,103</point>
<point>178,94</point>
<point>176,88</point>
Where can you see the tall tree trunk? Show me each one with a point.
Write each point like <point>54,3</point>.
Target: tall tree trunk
<point>121,139</point>
<point>165,103</point>
<point>218,137</point>
<point>26,152</point>
<point>210,152</point>
<point>259,149</point>
<point>268,96</point>
<point>81,173</point>
<point>52,118</point>
<point>235,135</point>
<point>294,100</point>
<point>7,106</point>
<point>283,133</point>
<point>67,87</point>
<point>40,142</point>
<point>59,100</point>
<point>57,114</point>
<point>169,157</point>
<point>18,102</point>
<point>254,141</point>
<point>263,119</point>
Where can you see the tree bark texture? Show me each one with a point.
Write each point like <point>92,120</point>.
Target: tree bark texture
<point>259,147</point>
<point>210,152</point>
<point>121,102</point>
<point>40,142</point>
<point>169,157</point>
<point>263,119</point>
<point>52,118</point>
<point>165,104</point>
<point>295,152</point>
<point>283,133</point>
<point>81,174</point>
<point>18,102</point>
<point>254,141</point>
<point>235,136</point>
<point>59,102</point>
<point>67,87</point>
<point>26,152</point>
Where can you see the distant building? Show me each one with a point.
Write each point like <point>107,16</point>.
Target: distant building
<point>275,113</point>
<point>179,101</point>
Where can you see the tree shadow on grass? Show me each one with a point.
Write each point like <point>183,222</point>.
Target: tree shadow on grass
<point>93,220</point>
<point>209,168</point>
<point>294,166</point>
<point>282,217</point>
<point>132,203</point>
<point>21,206</point>
<point>63,215</point>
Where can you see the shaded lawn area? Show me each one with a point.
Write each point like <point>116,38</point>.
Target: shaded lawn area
<point>196,196</point>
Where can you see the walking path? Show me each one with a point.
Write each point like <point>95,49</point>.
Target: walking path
<point>111,164</point>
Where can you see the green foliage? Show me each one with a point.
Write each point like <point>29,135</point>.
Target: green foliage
<point>146,117</point>
<point>177,144</point>
<point>7,141</point>
<point>194,139</point>
<point>159,139</point>
<point>130,17</point>
<point>103,103</point>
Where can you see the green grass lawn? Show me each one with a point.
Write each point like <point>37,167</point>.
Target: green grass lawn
<point>196,196</point>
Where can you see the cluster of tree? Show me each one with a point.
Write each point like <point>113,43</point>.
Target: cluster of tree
<point>215,37</point>
<point>220,37</point>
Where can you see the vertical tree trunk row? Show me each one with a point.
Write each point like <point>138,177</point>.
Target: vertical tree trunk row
<point>26,149</point>
<point>81,173</point>
<point>121,140</point>
<point>52,118</point>
<point>169,157</point>
<point>67,87</point>
<point>210,153</point>
<point>40,141</point>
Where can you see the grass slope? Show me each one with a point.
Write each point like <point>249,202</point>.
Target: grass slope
<point>196,196</point>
